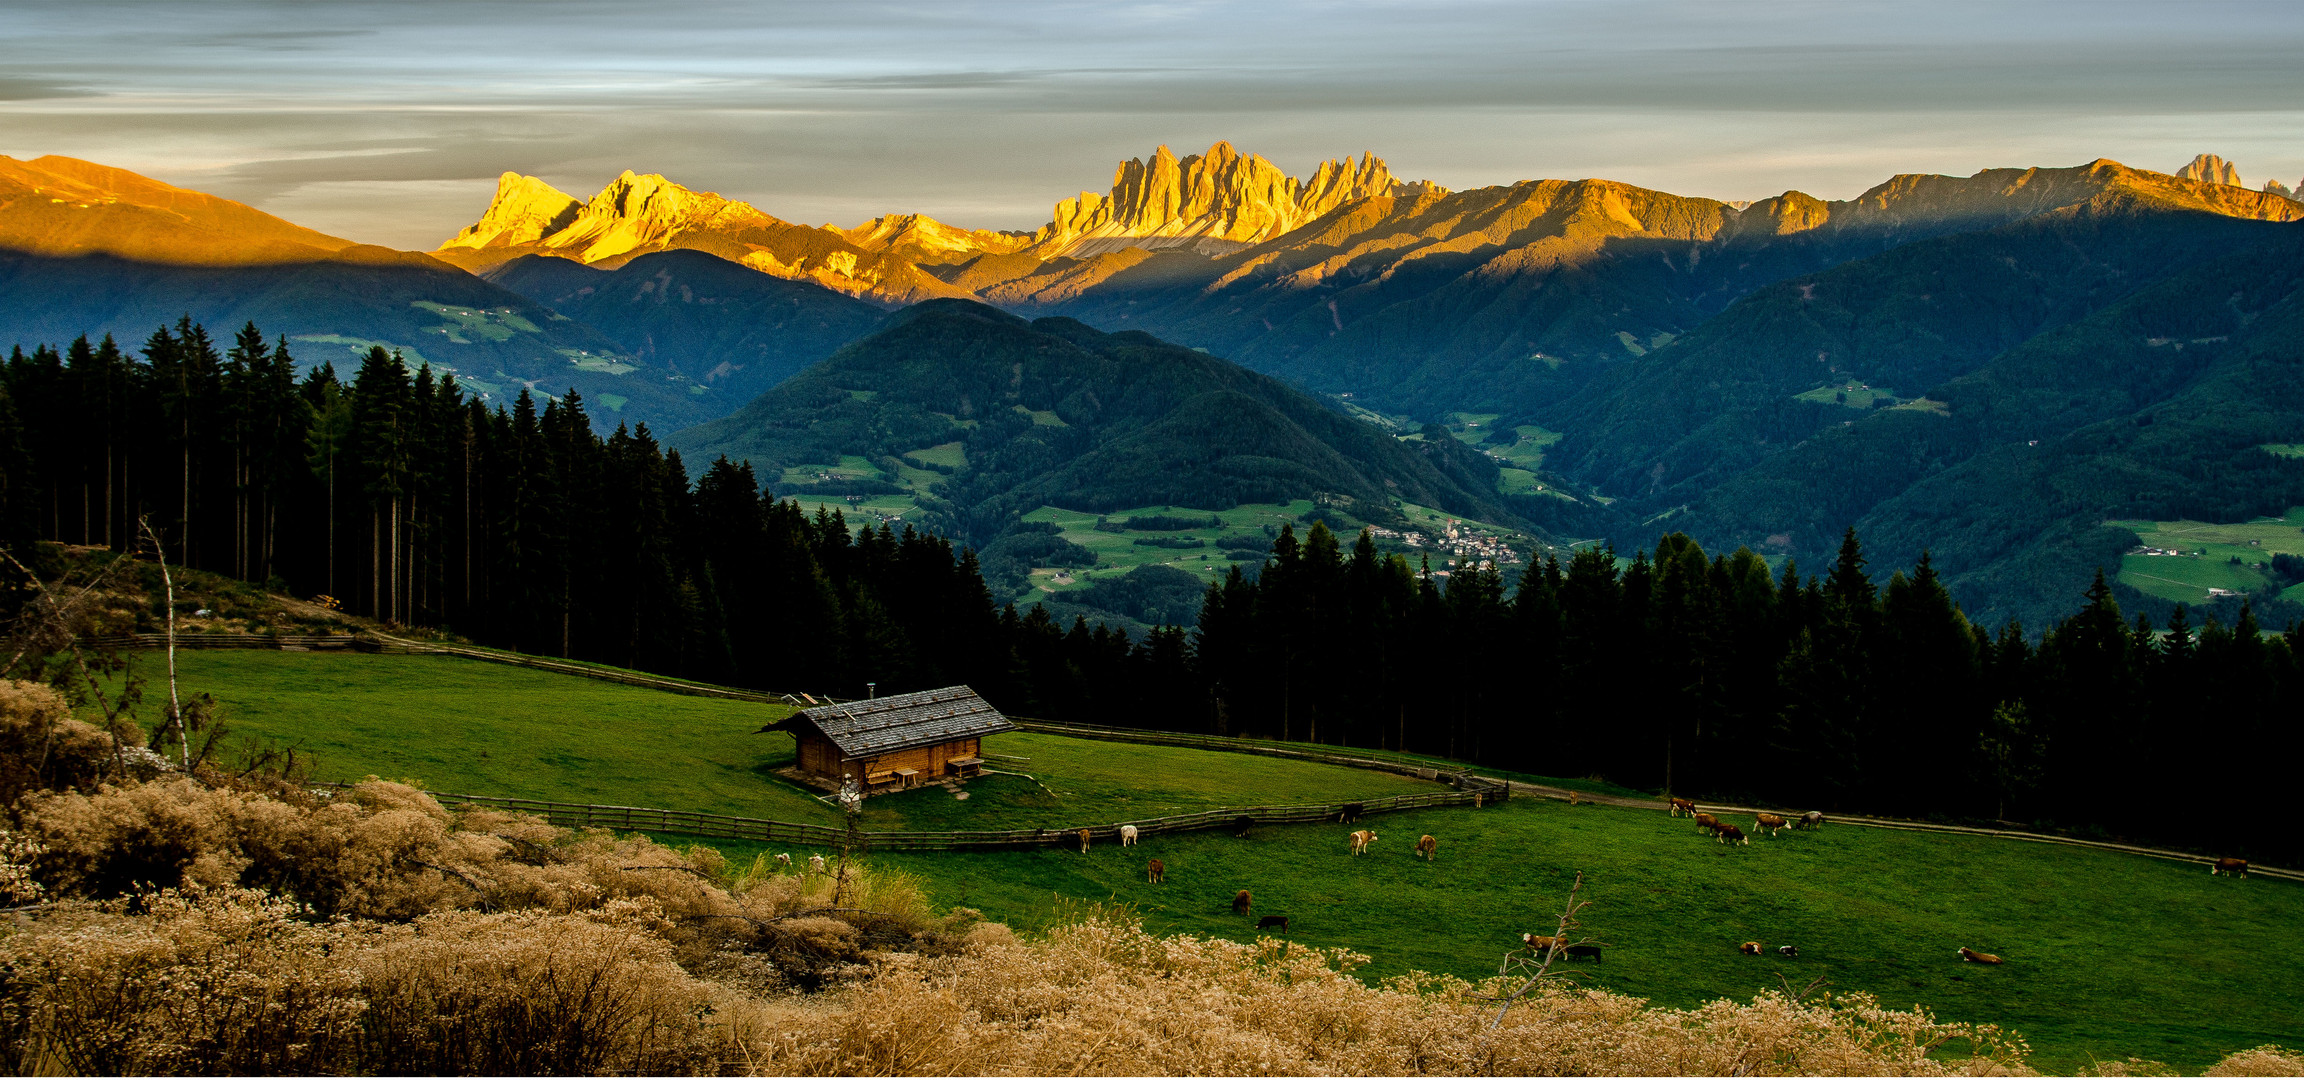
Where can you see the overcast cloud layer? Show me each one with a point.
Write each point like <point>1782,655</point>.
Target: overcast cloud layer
<point>388,122</point>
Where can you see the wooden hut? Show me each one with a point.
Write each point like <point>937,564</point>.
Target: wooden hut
<point>896,741</point>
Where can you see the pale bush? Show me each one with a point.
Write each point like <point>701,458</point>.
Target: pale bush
<point>43,747</point>
<point>2261,1061</point>
<point>526,994</point>
<point>1104,997</point>
<point>193,983</point>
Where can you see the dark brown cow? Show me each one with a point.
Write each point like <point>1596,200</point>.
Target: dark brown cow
<point>1426,846</point>
<point>1706,823</point>
<point>1749,948</point>
<point>1581,952</point>
<point>1240,903</point>
<point>1270,921</point>
<point>1729,834</point>
<point>1158,871</point>
<point>2233,867</point>
<point>1974,957</point>
<point>1770,822</point>
<point>1679,804</point>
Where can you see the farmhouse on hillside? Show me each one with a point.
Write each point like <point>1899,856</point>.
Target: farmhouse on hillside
<point>896,741</point>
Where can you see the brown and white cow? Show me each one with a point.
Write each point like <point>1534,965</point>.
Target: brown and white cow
<point>2233,867</point>
<point>1974,957</point>
<point>1749,948</point>
<point>1361,839</point>
<point>1538,943</point>
<point>1425,846</point>
<point>1240,902</point>
<point>1084,836</point>
<point>1680,804</point>
<point>1157,871</point>
<point>1729,834</point>
<point>1813,819</point>
<point>1127,836</point>
<point>1770,822</point>
<point>1706,823</point>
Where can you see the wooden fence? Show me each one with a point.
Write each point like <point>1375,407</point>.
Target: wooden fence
<point>729,827</point>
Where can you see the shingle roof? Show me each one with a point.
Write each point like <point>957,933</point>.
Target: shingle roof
<point>902,721</point>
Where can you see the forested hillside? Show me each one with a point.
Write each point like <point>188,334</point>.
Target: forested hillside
<point>1055,413</point>
<point>728,328</point>
<point>1698,673</point>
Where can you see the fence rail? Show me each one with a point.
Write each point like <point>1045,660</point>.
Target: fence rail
<point>730,827</point>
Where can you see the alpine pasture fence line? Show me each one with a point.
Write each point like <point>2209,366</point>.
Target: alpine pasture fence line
<point>731,827</point>
<point>1922,826</point>
<point>1464,780</point>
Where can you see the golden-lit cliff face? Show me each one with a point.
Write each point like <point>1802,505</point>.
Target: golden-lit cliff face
<point>64,207</point>
<point>1216,196</point>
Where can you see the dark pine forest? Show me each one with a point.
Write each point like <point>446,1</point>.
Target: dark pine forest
<point>411,501</point>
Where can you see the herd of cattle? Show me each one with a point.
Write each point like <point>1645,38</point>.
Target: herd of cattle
<point>1729,834</point>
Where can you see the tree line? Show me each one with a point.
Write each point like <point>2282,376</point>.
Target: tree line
<point>405,498</point>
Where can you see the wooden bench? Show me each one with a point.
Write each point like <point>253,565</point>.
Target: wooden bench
<point>879,779</point>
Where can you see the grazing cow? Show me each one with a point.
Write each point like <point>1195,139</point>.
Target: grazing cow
<point>1127,836</point>
<point>1350,812</point>
<point>1770,822</point>
<point>1788,950</point>
<point>1241,825</point>
<point>783,862</point>
<point>1679,804</point>
<point>815,864</point>
<point>2234,867</point>
<point>1974,957</point>
<point>1084,836</point>
<point>1361,839</point>
<point>1158,871</point>
<point>1573,798</point>
<point>1240,902</point>
<point>1729,834</point>
<point>1581,952</point>
<point>1426,846</point>
<point>1813,819</point>
<point>1540,943</point>
<point>1270,921</point>
<point>1706,823</point>
<point>1749,948</point>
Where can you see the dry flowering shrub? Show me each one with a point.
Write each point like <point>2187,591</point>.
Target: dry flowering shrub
<point>43,747</point>
<point>1105,997</point>
<point>17,885</point>
<point>192,982</point>
<point>527,993</point>
<point>2261,1061</point>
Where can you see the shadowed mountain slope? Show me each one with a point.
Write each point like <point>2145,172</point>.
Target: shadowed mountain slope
<point>1055,413</point>
<point>730,328</point>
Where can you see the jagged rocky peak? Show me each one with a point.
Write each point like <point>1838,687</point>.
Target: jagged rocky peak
<point>634,212</point>
<point>1220,195</point>
<point>2210,169</point>
<point>524,211</point>
<point>924,236</point>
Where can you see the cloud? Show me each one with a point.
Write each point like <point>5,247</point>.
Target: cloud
<point>25,88</point>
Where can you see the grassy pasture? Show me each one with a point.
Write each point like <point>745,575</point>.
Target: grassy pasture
<point>2205,554</point>
<point>475,728</point>
<point>2108,955</point>
<point>1852,394</point>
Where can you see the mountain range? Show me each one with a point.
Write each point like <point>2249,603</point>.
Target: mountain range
<point>1612,361</point>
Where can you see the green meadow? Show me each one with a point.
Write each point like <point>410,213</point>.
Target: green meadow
<point>2204,555</point>
<point>2108,955</point>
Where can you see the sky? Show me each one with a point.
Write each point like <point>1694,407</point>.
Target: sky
<point>389,122</point>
